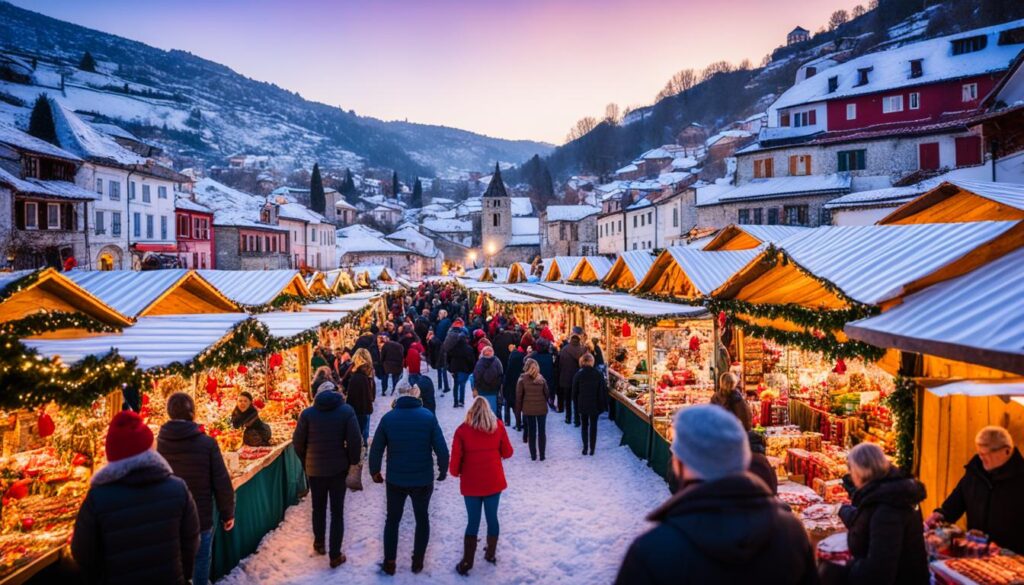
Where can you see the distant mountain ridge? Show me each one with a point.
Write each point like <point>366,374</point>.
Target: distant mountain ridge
<point>204,111</point>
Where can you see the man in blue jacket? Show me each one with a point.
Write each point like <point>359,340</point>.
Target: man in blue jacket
<point>408,433</point>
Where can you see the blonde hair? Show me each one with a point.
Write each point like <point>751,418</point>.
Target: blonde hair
<point>586,359</point>
<point>992,438</point>
<point>362,359</point>
<point>531,368</point>
<point>727,382</point>
<point>480,416</point>
<point>868,461</point>
<point>325,370</point>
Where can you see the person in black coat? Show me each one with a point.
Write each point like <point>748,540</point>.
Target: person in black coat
<point>327,441</point>
<point>513,369</point>
<point>723,526</point>
<point>590,396</point>
<point>503,343</point>
<point>392,357</point>
<point>990,491</point>
<point>546,361</point>
<point>426,387</point>
<point>195,457</point>
<point>759,464</point>
<point>461,360</point>
<point>245,416</point>
<point>138,523</point>
<point>883,524</point>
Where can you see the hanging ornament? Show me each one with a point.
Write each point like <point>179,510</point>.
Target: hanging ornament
<point>211,385</point>
<point>18,489</point>
<point>840,366</point>
<point>627,331</point>
<point>242,369</point>
<point>80,460</point>
<point>275,360</point>
<point>259,404</point>
<point>694,343</point>
<point>45,425</point>
<point>721,319</point>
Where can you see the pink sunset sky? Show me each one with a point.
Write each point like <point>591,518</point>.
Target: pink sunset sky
<point>518,69</point>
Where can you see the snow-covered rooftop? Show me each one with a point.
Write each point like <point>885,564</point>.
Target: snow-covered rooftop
<point>448,226</point>
<point>129,292</point>
<point>76,135</point>
<point>58,189</point>
<point>14,137</point>
<point>181,201</point>
<point>364,244</point>
<point>251,287</point>
<point>570,212</point>
<point>525,226</point>
<point>887,197</point>
<point>788,186</point>
<point>355,230</point>
<point>708,270</point>
<point>521,206</point>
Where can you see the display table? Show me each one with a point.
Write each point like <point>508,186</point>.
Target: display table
<point>639,435</point>
<point>262,495</point>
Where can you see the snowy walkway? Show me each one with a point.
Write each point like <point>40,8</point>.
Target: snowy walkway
<point>568,519</point>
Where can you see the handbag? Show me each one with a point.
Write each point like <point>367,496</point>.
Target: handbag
<point>354,479</point>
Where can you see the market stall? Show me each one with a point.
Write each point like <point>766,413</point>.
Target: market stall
<point>258,290</point>
<point>628,270</point>
<point>590,270</point>
<point>559,268</point>
<point>518,272</point>
<point>153,292</point>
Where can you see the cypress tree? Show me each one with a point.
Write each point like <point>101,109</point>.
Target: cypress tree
<point>317,199</point>
<point>88,63</point>
<point>40,124</point>
<point>396,189</point>
<point>417,195</point>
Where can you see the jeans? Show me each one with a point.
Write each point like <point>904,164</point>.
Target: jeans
<point>364,426</point>
<point>535,432</point>
<point>396,496</point>
<point>565,403</point>
<point>492,399</point>
<point>442,380</point>
<point>460,387</point>
<point>589,431</point>
<point>323,488</point>
<point>490,508</point>
<point>384,382</point>
<point>201,569</point>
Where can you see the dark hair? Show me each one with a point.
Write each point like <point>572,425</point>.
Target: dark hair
<point>247,394</point>
<point>180,406</point>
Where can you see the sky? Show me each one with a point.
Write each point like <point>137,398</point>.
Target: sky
<point>518,69</point>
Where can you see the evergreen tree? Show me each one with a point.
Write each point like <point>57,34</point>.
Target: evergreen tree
<point>396,189</point>
<point>348,188</point>
<point>317,199</point>
<point>88,63</point>
<point>40,124</point>
<point>417,195</point>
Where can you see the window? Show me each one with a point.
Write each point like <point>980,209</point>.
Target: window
<point>915,68</point>
<point>783,118</point>
<point>851,160</point>
<point>149,226</point>
<point>863,76</point>
<point>915,100</point>
<point>200,228</point>
<point>100,229</point>
<point>131,190</point>
<point>634,245</point>
<point>620,226</point>
<point>795,214</point>
<point>163,227</point>
<point>161,192</point>
<point>494,219</point>
<point>744,217</point>
<point>968,151</point>
<point>650,217</point>
<point>808,118</point>
<point>833,84</point>
<point>892,104</point>
<point>145,194</point>
<point>183,225</point>
<point>851,111</point>
<point>756,219</point>
<point>799,165</point>
<point>99,186</point>
<point>312,235</point>
<point>634,220</point>
<point>773,216</point>
<point>969,45</point>
<point>31,215</point>
<point>764,168</point>
<point>137,224</point>
<point>928,156</point>
<point>675,217</point>
<point>825,217</point>
<point>115,223</point>
<point>1012,36</point>
<point>115,190</point>
<point>969,93</point>
<point>53,216</point>
<point>810,72</point>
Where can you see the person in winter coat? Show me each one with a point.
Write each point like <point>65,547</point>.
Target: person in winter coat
<point>409,434</point>
<point>479,445</point>
<point>546,362</point>
<point>759,464</point>
<point>245,416</point>
<point>568,364</point>
<point>590,395</point>
<point>195,457</point>
<point>435,361</point>
<point>729,397</point>
<point>532,396</point>
<point>883,524</point>
<point>503,343</point>
<point>392,357</point>
<point>368,341</point>
<point>422,325</point>
<point>595,348</point>
<point>461,362</point>
<point>990,491</point>
<point>321,375</point>
<point>723,526</point>
<point>407,337</point>
<point>513,370</point>
<point>327,441</point>
<point>413,358</point>
<point>488,377</point>
<point>361,391</point>
<point>443,325</point>
<point>138,522</point>
<point>426,388</point>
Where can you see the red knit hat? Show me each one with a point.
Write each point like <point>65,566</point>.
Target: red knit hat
<point>127,436</point>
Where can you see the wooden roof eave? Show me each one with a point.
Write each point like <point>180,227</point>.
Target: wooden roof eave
<point>90,304</point>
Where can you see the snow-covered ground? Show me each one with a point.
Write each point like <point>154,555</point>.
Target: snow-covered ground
<point>568,519</point>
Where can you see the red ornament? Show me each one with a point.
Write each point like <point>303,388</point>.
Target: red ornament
<point>45,425</point>
<point>721,319</point>
<point>211,385</point>
<point>627,331</point>
<point>27,523</point>
<point>202,429</point>
<point>840,366</point>
<point>242,369</point>
<point>79,460</point>
<point>275,360</point>
<point>694,343</point>
<point>70,263</point>
<point>18,489</point>
<point>258,403</point>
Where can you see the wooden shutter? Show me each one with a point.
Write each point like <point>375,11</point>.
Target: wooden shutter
<point>812,117</point>
<point>19,215</point>
<point>792,165</point>
<point>968,151</point>
<point>784,119</point>
<point>807,164</point>
<point>41,213</point>
<point>769,167</point>
<point>928,156</point>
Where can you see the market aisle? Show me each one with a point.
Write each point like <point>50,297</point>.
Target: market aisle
<point>568,519</point>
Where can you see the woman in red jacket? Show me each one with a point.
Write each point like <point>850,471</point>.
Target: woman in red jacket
<point>478,447</point>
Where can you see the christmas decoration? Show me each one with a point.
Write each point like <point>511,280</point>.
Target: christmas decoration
<point>45,425</point>
<point>840,366</point>
<point>901,403</point>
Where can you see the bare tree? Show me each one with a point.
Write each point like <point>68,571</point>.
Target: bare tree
<point>714,69</point>
<point>744,65</point>
<point>612,114</point>
<point>677,84</point>
<point>582,128</point>
<point>838,18</point>
<point>872,4</point>
<point>858,11</point>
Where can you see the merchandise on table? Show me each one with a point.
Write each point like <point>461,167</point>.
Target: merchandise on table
<point>834,549</point>
<point>993,570</point>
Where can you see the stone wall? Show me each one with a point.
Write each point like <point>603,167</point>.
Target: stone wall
<point>723,214</point>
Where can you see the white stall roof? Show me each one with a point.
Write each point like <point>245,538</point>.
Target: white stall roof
<point>979,389</point>
<point>249,287</point>
<point>643,307</point>
<point>709,270</point>
<point>154,341</point>
<point>600,264</point>
<point>872,263</point>
<point>287,324</point>
<point>638,262</point>
<point>502,294</point>
<point>127,291</point>
<point>977,318</point>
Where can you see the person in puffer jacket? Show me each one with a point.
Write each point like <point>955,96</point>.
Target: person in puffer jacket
<point>327,441</point>
<point>488,376</point>
<point>138,522</point>
<point>195,457</point>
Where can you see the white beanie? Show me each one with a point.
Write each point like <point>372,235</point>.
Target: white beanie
<point>325,387</point>
<point>711,441</point>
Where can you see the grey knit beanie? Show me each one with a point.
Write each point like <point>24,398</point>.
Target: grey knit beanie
<point>711,441</point>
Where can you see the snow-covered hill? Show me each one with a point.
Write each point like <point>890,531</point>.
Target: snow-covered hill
<point>201,111</point>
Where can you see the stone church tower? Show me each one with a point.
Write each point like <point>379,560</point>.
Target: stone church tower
<point>496,217</point>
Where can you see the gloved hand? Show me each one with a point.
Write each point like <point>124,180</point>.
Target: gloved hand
<point>378,478</point>
<point>441,476</point>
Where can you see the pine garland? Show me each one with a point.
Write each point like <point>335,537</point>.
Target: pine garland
<point>19,285</point>
<point>902,403</point>
<point>826,344</point>
<point>46,321</point>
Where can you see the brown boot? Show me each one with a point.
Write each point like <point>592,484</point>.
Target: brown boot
<point>468,552</point>
<point>388,567</point>
<point>492,548</point>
